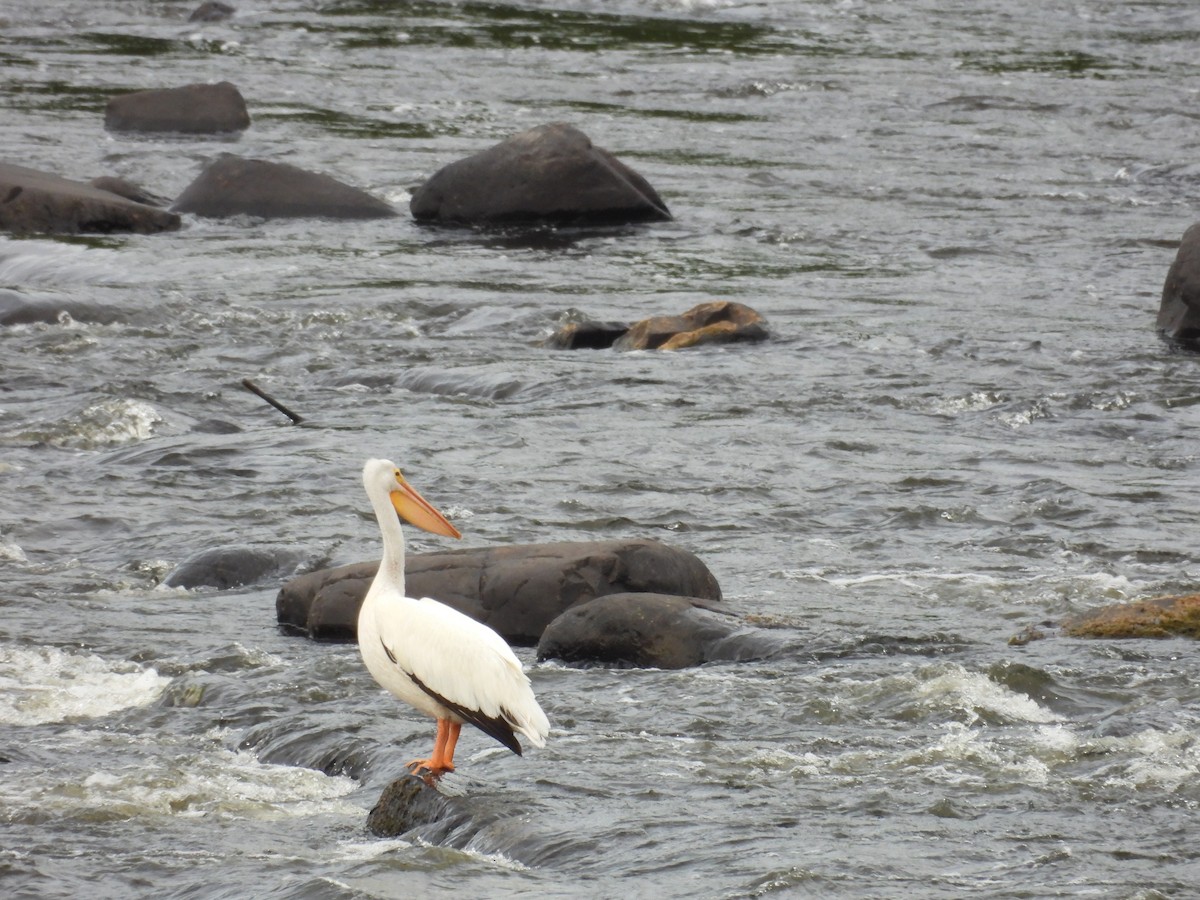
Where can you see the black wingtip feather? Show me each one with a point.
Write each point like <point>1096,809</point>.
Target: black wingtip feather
<point>497,727</point>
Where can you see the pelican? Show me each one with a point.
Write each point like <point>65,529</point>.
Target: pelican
<point>431,656</point>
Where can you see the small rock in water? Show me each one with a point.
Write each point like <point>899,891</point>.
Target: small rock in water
<point>190,109</point>
<point>228,567</point>
<point>211,11</point>
<point>234,186</point>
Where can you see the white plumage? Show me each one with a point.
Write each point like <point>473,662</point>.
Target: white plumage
<point>430,655</point>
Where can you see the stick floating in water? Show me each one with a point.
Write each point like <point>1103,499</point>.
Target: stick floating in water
<point>255,389</point>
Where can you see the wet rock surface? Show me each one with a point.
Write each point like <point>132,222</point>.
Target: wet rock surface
<point>517,590</point>
<point>33,202</point>
<point>551,174</point>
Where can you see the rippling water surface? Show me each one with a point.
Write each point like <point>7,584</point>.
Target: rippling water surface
<point>956,217</point>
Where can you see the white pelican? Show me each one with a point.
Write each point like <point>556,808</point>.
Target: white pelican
<point>429,655</point>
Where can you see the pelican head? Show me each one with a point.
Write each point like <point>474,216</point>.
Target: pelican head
<point>382,478</point>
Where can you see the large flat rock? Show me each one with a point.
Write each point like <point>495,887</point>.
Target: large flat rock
<point>33,202</point>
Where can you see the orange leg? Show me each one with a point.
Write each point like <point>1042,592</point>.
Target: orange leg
<point>442,758</point>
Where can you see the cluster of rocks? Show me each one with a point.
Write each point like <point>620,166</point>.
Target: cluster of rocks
<point>549,175</point>
<point>626,603</point>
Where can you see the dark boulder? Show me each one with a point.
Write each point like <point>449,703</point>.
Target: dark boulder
<point>234,186</point>
<point>718,322</point>
<point>228,567</point>
<point>1157,617</point>
<point>651,631</point>
<point>1179,311</point>
<point>410,803</point>
<point>211,11</point>
<point>458,813</point>
<point>517,590</point>
<point>191,109</point>
<point>587,335</point>
<point>33,202</point>
<point>551,174</point>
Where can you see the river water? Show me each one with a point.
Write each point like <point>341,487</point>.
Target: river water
<point>956,217</point>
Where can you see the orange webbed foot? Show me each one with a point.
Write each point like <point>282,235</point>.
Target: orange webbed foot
<point>429,766</point>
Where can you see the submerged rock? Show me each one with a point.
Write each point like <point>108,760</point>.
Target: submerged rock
<point>212,11</point>
<point>1158,617</point>
<point>234,186</point>
<point>33,202</point>
<point>191,109</point>
<point>517,590</point>
<point>651,631</point>
<point>551,174</point>
<point>228,567</point>
<point>21,309</point>
<point>1179,311</point>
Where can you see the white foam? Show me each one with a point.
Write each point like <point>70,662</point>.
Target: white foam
<point>1150,758</point>
<point>976,401</point>
<point>11,551</point>
<point>172,778</point>
<point>104,424</point>
<point>976,694</point>
<point>44,684</point>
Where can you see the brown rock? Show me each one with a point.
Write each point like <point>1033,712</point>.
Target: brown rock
<point>517,590</point>
<point>1159,617</point>
<point>718,322</point>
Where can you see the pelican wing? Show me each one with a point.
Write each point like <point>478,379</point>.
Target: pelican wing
<point>465,666</point>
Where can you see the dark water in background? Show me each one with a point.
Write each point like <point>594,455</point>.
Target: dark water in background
<point>957,218</point>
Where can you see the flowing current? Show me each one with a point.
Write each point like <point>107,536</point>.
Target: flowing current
<point>956,218</point>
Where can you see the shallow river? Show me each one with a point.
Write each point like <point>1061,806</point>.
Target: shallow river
<point>956,217</point>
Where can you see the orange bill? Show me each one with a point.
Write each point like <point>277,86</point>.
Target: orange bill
<point>414,508</point>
